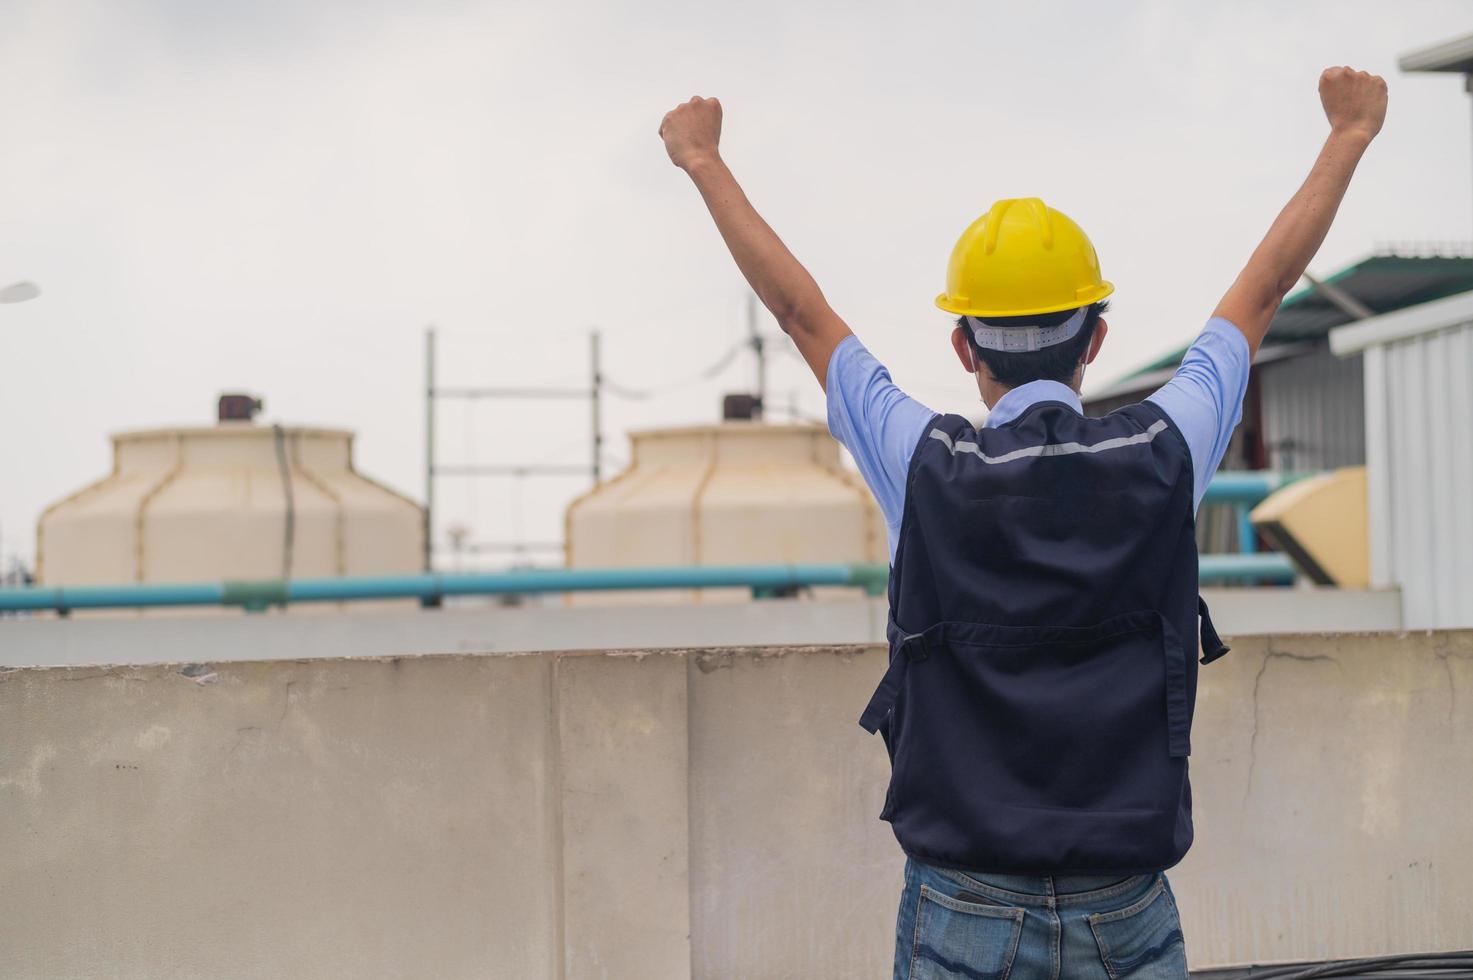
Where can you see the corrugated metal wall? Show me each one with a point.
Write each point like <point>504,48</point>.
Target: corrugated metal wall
<point>1314,413</point>
<point>1419,413</point>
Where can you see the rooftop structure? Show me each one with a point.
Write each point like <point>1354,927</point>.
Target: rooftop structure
<point>230,501</point>
<point>1305,405</point>
<point>741,492</point>
<point>1392,279</point>
<point>1453,55</point>
<point>1419,448</point>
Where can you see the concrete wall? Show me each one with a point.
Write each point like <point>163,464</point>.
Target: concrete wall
<point>123,638</point>
<point>707,813</point>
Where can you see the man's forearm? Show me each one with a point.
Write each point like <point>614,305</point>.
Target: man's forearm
<point>775,275</point>
<point>1355,106</point>
<point>692,135</point>
<point>1293,239</point>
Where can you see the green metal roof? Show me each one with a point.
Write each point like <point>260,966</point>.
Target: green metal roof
<point>1382,282</point>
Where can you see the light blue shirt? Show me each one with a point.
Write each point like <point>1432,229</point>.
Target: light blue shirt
<point>881,425</point>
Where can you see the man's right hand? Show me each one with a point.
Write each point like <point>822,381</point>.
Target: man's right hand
<point>1355,104</point>
<point>1354,101</point>
<point>692,135</point>
<point>692,131</point>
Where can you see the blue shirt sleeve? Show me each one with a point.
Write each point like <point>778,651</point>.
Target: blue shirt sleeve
<point>878,423</point>
<point>1205,397</point>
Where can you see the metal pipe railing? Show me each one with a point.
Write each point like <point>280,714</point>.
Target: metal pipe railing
<point>1262,566</point>
<point>431,588</point>
<point>763,580</point>
<point>1247,486</point>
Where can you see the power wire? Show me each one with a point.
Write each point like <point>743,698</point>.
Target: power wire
<point>721,364</point>
<point>1453,966</point>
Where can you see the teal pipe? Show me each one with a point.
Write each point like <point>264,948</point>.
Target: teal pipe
<point>255,596</point>
<point>1247,486</point>
<point>1263,566</point>
<point>112,596</point>
<point>762,579</point>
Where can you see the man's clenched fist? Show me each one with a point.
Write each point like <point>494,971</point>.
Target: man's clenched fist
<point>692,131</point>
<point>1355,101</point>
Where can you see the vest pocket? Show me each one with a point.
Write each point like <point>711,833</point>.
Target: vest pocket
<point>954,938</point>
<point>1178,707</point>
<point>1070,687</point>
<point>1034,739</point>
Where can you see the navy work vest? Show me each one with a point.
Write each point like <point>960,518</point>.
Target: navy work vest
<point>1043,626</point>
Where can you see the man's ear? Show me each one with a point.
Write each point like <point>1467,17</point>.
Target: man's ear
<point>1097,341</point>
<point>962,344</point>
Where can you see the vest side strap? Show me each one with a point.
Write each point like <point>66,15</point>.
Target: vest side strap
<point>1212,645</point>
<point>910,648</point>
<point>884,697</point>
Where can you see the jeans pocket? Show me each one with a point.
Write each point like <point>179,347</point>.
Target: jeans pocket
<point>954,938</point>
<point>1142,941</point>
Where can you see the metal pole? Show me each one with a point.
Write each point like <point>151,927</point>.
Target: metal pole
<point>595,396</point>
<point>1340,299</point>
<point>1468,83</point>
<point>429,555</point>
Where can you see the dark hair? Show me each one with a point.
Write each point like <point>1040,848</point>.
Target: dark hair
<point>1055,363</point>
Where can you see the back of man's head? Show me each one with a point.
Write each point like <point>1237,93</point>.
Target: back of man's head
<point>1057,362</point>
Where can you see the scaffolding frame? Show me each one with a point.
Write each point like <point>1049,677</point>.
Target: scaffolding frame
<point>594,394</point>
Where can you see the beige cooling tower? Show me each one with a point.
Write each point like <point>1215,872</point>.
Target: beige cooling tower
<point>232,501</point>
<point>737,493</point>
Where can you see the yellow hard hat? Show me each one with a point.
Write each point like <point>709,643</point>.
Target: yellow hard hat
<point>1020,258</point>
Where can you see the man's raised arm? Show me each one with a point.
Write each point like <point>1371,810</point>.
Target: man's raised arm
<point>692,134</point>
<point>1355,103</point>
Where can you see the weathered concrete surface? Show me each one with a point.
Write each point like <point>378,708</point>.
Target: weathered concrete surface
<point>332,818</point>
<point>355,631</point>
<point>1333,780</point>
<point>792,874</point>
<point>623,768</point>
<point>705,813</point>
<point>128,639</point>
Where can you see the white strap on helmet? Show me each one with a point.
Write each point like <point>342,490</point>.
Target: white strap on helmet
<point>1025,338</point>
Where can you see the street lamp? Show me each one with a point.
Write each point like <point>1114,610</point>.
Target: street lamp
<point>19,292</point>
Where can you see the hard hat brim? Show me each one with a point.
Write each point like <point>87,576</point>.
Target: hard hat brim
<point>950,304</point>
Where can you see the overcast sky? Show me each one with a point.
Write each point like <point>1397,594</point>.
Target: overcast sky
<point>279,196</point>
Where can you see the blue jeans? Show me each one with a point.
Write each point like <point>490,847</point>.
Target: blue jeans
<point>1025,927</point>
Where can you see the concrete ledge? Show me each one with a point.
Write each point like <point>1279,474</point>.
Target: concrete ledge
<point>692,813</point>
<point>128,639</point>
